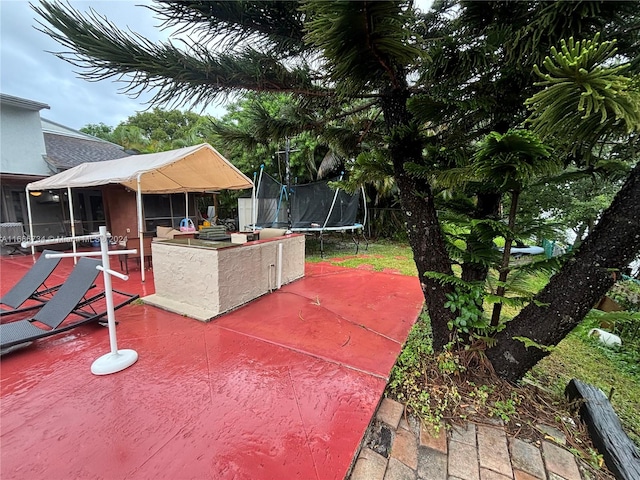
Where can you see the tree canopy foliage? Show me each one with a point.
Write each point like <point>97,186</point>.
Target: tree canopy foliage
<point>155,131</point>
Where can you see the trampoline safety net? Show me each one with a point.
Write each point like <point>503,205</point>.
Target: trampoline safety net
<point>271,203</point>
<point>313,205</point>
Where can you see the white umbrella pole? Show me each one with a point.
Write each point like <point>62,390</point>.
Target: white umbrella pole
<point>116,360</point>
<point>140,230</point>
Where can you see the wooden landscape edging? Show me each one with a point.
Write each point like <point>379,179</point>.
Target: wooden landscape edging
<point>620,454</point>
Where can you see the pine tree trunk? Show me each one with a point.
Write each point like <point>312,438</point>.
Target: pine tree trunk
<point>416,198</point>
<point>506,256</point>
<point>572,292</point>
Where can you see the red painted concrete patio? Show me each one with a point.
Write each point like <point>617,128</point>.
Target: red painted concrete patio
<point>282,388</point>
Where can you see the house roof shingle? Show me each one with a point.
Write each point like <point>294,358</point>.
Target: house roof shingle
<point>64,151</point>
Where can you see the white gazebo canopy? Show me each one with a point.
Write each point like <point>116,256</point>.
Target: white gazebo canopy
<point>191,169</point>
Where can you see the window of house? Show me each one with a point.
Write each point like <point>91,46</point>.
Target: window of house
<point>165,210</point>
<point>14,208</point>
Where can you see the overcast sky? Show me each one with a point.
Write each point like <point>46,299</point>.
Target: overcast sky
<point>28,70</point>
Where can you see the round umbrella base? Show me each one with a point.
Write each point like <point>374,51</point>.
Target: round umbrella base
<point>114,362</point>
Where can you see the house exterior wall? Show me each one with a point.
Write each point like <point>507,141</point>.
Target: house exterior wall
<point>121,210</point>
<point>32,148</point>
<point>22,146</point>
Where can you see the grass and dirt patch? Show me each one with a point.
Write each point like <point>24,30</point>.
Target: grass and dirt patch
<point>616,371</point>
<point>459,385</point>
<point>379,256</point>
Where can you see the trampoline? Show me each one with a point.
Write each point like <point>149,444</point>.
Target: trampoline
<point>313,208</point>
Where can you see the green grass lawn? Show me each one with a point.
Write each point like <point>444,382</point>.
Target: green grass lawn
<point>616,371</point>
<point>577,356</point>
<point>378,256</point>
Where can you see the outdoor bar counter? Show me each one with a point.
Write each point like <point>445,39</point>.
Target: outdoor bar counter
<point>203,279</point>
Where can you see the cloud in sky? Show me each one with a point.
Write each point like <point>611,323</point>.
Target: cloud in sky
<point>28,70</point>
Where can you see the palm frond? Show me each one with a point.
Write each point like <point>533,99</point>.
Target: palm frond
<point>372,168</point>
<point>445,279</point>
<point>191,76</point>
<point>235,136</point>
<point>275,25</point>
<point>547,265</point>
<point>330,164</point>
<point>509,301</point>
<point>367,43</point>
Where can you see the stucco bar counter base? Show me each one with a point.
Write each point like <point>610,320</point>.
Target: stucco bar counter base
<point>202,279</point>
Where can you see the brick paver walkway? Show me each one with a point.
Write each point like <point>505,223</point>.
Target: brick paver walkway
<point>397,449</point>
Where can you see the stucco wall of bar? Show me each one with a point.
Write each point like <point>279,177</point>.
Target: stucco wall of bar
<point>203,283</point>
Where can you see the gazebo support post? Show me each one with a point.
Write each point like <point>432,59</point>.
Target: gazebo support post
<point>73,224</point>
<point>29,214</point>
<point>140,229</point>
